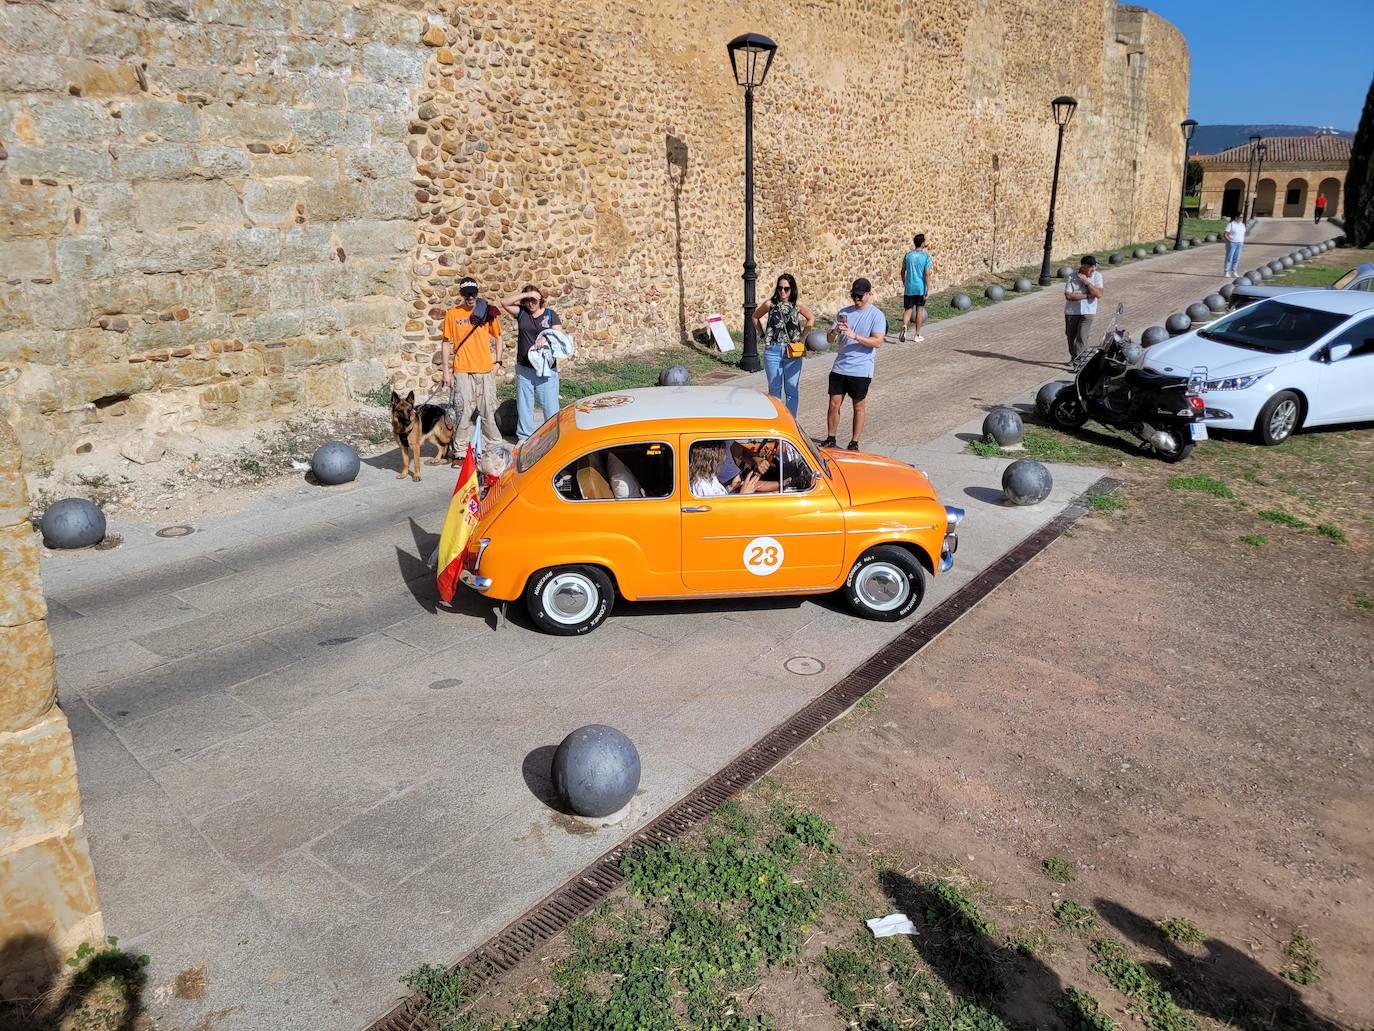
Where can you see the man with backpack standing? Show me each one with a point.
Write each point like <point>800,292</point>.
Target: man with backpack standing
<point>472,346</point>
<point>916,267</point>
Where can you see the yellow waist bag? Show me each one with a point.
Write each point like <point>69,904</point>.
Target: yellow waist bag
<point>795,349</point>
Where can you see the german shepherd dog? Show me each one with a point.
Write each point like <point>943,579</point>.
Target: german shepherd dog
<point>413,425</point>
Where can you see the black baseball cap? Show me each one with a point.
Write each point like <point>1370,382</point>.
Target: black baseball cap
<point>1088,259</point>
<point>467,286</point>
<point>861,286</point>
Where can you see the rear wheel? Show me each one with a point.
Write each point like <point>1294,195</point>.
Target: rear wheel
<point>1278,418</point>
<point>886,583</point>
<point>569,600</point>
<point>1067,411</point>
<point>1180,452</point>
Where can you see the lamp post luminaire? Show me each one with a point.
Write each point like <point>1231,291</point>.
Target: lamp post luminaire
<point>1188,128</point>
<point>1063,108</point>
<point>751,55</point>
<point>1249,178</point>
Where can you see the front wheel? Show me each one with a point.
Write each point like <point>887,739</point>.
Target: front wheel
<point>886,583</point>
<point>1067,411</point>
<point>1278,418</point>
<point>569,600</point>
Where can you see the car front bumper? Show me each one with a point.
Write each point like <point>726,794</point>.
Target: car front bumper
<point>1234,409</point>
<point>953,516</point>
<point>481,584</point>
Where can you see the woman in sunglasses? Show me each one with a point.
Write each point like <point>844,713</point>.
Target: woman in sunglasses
<point>783,320</point>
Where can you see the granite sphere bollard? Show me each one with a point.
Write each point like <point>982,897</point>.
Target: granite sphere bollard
<point>962,301</point>
<point>595,771</point>
<point>1154,335</point>
<point>1215,302</point>
<point>1244,280</point>
<point>335,463</point>
<point>1178,323</point>
<point>1064,271</point>
<point>674,376</point>
<point>1140,252</point>
<point>816,341</point>
<point>1286,261</point>
<point>1004,426</point>
<point>994,293</point>
<point>73,523</point>
<point>1161,248</point>
<point>1044,397</point>
<point>1274,267</point>
<point>1211,237</point>
<point>1226,291</point>
<point>1265,272</point>
<point>1022,285</point>
<point>1198,312</point>
<point>1026,482</point>
<point>1117,258</point>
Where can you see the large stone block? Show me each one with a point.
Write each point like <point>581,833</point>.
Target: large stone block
<point>25,259</point>
<point>254,247</point>
<point>84,257</point>
<point>402,65</point>
<point>26,670</point>
<point>289,287</point>
<point>173,205</point>
<point>100,78</point>
<point>14,497</point>
<point>248,123</point>
<point>30,344</point>
<point>48,905</point>
<point>215,162</point>
<point>62,121</point>
<point>24,73</point>
<point>134,162</point>
<point>390,199</point>
<point>331,129</point>
<point>31,29</point>
<point>169,120</point>
<point>376,239</point>
<point>32,210</point>
<point>21,590</point>
<point>105,207</point>
<point>62,161</point>
<point>106,34</point>
<point>59,305</point>
<point>331,200</point>
<point>270,200</point>
<point>38,770</point>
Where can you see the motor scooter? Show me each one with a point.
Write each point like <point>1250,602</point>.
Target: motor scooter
<point>1165,412</point>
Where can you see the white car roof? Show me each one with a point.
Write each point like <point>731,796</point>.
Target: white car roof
<point>645,404</point>
<point>1338,302</point>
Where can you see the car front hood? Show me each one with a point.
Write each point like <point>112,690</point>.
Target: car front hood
<point>872,479</point>
<point>1178,357</point>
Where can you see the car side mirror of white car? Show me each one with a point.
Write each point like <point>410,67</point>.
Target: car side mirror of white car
<point>1338,351</point>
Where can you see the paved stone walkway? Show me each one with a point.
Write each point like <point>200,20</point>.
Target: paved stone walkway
<point>298,772</point>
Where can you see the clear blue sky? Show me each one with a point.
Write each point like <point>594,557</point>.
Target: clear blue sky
<point>1273,62</point>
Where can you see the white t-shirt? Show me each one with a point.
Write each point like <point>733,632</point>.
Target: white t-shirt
<point>709,487</point>
<point>1235,232</point>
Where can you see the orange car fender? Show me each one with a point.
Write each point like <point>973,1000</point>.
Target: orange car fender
<point>918,526</point>
<point>626,560</point>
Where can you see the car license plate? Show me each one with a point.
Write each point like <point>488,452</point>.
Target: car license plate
<point>1198,430</point>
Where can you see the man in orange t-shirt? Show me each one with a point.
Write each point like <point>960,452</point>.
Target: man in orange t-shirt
<point>472,338</point>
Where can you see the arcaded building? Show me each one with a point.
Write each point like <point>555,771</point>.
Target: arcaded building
<point>1295,171</point>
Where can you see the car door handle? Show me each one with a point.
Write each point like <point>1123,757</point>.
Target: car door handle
<point>696,508</point>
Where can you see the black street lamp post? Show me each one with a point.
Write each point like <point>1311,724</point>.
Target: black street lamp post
<point>751,55</point>
<point>1260,151</point>
<point>1188,127</point>
<point>1249,179</point>
<point>1063,108</point>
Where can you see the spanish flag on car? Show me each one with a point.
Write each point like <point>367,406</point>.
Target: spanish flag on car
<point>460,521</point>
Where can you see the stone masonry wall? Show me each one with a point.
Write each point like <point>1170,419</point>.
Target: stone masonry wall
<point>48,900</point>
<point>218,210</point>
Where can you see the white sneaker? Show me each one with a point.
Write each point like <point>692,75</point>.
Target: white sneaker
<point>918,339</point>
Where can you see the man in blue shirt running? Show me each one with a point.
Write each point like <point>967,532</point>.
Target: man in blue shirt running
<point>916,268</point>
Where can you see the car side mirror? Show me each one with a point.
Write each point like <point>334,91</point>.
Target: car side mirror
<point>1338,351</point>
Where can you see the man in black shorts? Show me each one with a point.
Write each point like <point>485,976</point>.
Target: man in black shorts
<point>916,267</point>
<point>860,329</point>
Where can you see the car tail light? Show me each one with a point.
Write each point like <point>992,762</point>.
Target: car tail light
<point>1196,403</point>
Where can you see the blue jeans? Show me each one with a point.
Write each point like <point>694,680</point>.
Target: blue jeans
<point>1232,257</point>
<point>784,376</point>
<point>528,385</point>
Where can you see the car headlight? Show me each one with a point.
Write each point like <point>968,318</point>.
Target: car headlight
<point>1236,382</point>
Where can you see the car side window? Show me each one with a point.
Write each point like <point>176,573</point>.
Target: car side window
<point>747,465</point>
<point>1360,337</point>
<point>625,472</point>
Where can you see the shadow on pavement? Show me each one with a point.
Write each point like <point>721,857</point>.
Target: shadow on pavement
<point>386,460</point>
<point>988,495</point>
<point>537,772</point>
<point>1223,982</point>
<point>105,992</point>
<point>1056,366</point>
<point>416,571</point>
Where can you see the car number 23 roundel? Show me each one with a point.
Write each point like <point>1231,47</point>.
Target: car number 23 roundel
<point>763,555</point>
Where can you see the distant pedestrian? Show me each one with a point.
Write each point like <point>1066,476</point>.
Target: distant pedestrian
<point>532,317</point>
<point>860,328</point>
<point>1321,206</point>
<point>472,348</point>
<point>1081,294</point>
<point>916,269</point>
<point>783,321</point>
<point>1235,240</point>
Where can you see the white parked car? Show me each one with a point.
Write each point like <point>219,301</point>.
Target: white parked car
<point>1303,359</point>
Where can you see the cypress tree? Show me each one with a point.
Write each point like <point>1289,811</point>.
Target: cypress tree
<point>1359,180</point>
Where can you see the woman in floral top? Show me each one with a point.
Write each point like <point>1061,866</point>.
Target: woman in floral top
<point>783,320</point>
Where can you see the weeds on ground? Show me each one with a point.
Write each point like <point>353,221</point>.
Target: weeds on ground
<point>103,993</point>
<point>1148,999</point>
<point>1306,966</point>
<point>380,395</point>
<point>1177,929</point>
<point>1081,1012</point>
<point>377,436</point>
<point>1279,518</point>
<point>1022,945</point>
<point>1074,916</point>
<point>1206,484</point>
<point>252,466</point>
<point>1255,540</point>
<point>870,701</point>
<point>1057,869</point>
<point>1107,501</point>
<point>1331,533</point>
<point>93,481</point>
<point>1364,600</point>
<point>985,447</point>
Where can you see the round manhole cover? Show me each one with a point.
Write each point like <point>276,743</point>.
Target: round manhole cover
<point>803,665</point>
<point>175,531</point>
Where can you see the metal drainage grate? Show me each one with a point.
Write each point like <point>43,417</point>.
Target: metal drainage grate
<point>599,879</point>
<point>175,531</point>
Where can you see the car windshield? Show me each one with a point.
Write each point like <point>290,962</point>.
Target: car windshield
<point>1345,280</point>
<point>1273,326</point>
<point>539,444</point>
<point>816,455</point>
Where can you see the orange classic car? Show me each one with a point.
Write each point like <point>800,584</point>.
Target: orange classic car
<point>700,492</point>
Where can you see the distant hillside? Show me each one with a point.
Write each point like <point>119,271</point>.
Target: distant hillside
<point>1212,139</point>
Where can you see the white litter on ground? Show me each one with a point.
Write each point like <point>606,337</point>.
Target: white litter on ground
<point>893,923</point>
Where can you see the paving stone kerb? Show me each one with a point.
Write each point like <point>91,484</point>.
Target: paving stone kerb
<point>48,899</point>
<point>221,211</point>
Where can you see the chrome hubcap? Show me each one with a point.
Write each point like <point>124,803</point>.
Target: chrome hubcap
<point>569,598</point>
<point>882,587</point>
<point>1283,420</point>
